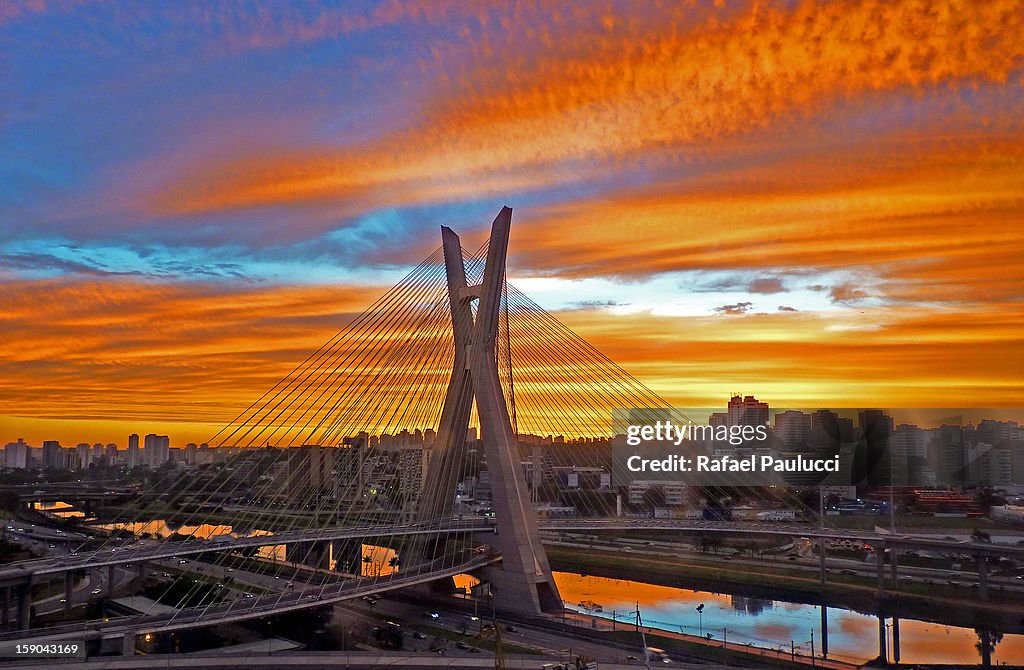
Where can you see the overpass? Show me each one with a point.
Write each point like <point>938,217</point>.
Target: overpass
<point>135,554</point>
<point>243,609</point>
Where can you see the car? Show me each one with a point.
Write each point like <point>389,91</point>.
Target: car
<point>231,569</point>
<point>166,574</point>
<point>461,645</point>
<point>512,629</point>
<point>315,596</point>
<point>419,636</point>
<point>182,561</point>
<point>433,615</point>
<point>63,600</point>
<point>96,592</point>
<point>474,618</point>
<point>73,553</point>
<point>249,595</point>
<point>52,546</point>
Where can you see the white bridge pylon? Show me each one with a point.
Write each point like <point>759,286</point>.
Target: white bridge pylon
<point>523,582</point>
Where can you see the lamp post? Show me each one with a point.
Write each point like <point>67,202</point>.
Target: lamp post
<point>700,619</point>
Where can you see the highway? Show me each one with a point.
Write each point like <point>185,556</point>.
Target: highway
<point>142,551</point>
<point>253,606</point>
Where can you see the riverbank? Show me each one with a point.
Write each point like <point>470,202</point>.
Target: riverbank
<point>772,583</point>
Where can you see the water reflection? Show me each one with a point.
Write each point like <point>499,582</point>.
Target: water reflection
<point>465,583</point>
<point>58,509</point>
<point>162,529</point>
<point>378,561</point>
<point>773,623</point>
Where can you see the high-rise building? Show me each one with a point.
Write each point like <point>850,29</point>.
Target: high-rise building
<point>53,456</point>
<point>747,411</point>
<point>793,428</point>
<point>134,458</point>
<point>309,469</point>
<point>828,429</point>
<point>989,465</point>
<point>190,453</point>
<point>412,466</point>
<point>157,450</point>
<point>110,453</point>
<point>82,456</point>
<point>16,454</point>
<point>873,463</point>
<point>350,468</point>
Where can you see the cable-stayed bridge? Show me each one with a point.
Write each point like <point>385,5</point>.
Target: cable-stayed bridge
<point>366,468</point>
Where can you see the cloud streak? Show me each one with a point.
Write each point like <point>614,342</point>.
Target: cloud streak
<point>672,94</point>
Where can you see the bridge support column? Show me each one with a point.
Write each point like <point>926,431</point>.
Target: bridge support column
<point>895,640</point>
<point>824,631</point>
<point>983,577</point>
<point>880,568</point>
<point>111,576</point>
<point>140,570</point>
<point>882,653</point>
<point>320,557</point>
<point>128,645</point>
<point>525,583</point>
<point>24,597</point>
<point>69,589</point>
<point>894,569</point>
<point>822,557</point>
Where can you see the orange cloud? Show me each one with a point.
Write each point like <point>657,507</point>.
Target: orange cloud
<point>944,227</point>
<point>675,91</point>
<point>99,359</point>
<point>86,355</point>
<point>878,357</point>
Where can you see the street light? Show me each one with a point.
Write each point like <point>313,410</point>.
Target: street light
<point>700,618</point>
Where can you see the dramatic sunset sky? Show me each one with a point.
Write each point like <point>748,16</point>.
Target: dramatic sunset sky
<point>820,203</point>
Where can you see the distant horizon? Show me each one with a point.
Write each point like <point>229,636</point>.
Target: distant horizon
<point>901,415</point>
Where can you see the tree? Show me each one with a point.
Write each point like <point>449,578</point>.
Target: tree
<point>9,502</point>
<point>986,644</point>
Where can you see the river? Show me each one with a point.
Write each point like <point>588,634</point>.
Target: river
<point>773,624</point>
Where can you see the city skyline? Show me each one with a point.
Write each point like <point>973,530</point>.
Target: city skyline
<point>818,201</point>
<point>930,418</point>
